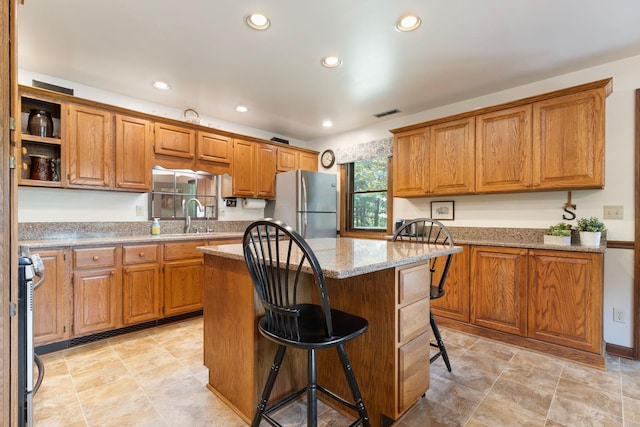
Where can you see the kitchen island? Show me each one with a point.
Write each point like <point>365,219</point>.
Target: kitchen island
<point>385,282</point>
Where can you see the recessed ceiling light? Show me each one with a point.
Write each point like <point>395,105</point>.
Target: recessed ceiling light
<point>331,62</point>
<point>327,123</point>
<point>257,21</point>
<point>241,109</point>
<point>408,23</point>
<point>161,85</point>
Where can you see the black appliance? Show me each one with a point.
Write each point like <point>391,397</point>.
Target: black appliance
<point>28,269</point>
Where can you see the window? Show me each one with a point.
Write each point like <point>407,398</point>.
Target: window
<point>366,195</point>
<point>172,190</point>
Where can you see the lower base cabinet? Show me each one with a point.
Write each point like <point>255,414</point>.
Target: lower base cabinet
<point>536,295</point>
<point>498,287</point>
<point>182,277</point>
<point>49,301</point>
<point>565,299</point>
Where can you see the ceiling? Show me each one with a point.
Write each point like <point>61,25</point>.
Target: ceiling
<point>214,62</point>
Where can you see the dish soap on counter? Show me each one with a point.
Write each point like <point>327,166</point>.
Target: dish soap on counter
<point>155,227</point>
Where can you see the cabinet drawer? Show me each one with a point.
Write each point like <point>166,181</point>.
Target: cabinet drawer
<point>94,257</point>
<point>183,250</point>
<point>413,371</point>
<point>413,283</point>
<point>139,254</point>
<point>413,320</point>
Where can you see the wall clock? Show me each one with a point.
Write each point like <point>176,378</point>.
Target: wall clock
<point>327,159</point>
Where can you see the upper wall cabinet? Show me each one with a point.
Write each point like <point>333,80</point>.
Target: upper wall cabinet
<point>435,160</point>
<point>174,146</point>
<point>214,152</point>
<point>90,150</point>
<point>40,153</point>
<point>410,160</point>
<point>287,159</point>
<point>547,142</point>
<point>568,141</point>
<point>451,157</point>
<point>503,150</point>
<point>134,139</point>
<point>307,161</point>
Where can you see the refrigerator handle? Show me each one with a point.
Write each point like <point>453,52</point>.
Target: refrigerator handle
<point>303,224</point>
<point>303,196</point>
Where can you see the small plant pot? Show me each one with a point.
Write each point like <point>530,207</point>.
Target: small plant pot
<point>557,240</point>
<point>590,238</point>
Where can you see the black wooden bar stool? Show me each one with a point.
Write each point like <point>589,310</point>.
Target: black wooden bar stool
<point>277,256</point>
<point>431,231</point>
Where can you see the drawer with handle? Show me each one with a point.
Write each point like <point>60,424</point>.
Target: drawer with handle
<point>140,254</point>
<point>94,257</point>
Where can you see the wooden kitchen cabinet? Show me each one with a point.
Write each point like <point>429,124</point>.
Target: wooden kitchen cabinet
<point>182,277</point>
<point>504,150</point>
<point>133,145</point>
<point>287,159</point>
<point>50,147</point>
<point>568,141</point>
<point>451,153</point>
<point>254,171</point>
<point>410,160</point>
<point>97,290</point>
<point>90,147</point>
<point>142,286</point>
<point>454,304</point>
<point>307,161</point>
<point>174,147</point>
<point>498,284</point>
<point>50,315</point>
<point>266,171</point>
<point>565,298</point>
<point>214,152</point>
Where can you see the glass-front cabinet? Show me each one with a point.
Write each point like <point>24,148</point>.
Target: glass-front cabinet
<point>174,190</point>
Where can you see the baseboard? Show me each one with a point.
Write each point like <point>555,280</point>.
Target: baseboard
<point>618,351</point>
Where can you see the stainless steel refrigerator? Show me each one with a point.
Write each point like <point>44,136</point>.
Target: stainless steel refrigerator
<point>307,201</point>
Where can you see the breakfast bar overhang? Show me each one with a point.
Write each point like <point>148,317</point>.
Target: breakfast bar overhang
<point>383,281</point>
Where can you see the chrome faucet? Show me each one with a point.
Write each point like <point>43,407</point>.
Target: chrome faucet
<point>185,210</point>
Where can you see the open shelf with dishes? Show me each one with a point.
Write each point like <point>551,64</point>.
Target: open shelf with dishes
<point>41,151</point>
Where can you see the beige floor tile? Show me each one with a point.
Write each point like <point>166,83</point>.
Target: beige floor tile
<point>111,395</point>
<point>570,411</point>
<point>101,375</point>
<point>494,412</point>
<point>610,403</point>
<point>631,410</point>
<point>603,380</point>
<point>519,395</point>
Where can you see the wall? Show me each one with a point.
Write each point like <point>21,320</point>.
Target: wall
<point>544,209</point>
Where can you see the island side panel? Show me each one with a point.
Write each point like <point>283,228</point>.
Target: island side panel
<point>373,355</point>
<point>238,357</point>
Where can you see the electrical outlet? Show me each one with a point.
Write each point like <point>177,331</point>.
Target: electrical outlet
<point>139,210</point>
<point>618,315</point>
<point>613,212</point>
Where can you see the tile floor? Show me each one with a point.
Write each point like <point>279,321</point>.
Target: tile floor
<point>155,377</point>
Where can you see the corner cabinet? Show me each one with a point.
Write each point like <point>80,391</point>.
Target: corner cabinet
<point>565,298</point>
<point>90,143</point>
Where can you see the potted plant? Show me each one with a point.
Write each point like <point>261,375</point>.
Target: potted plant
<point>559,234</point>
<point>590,231</point>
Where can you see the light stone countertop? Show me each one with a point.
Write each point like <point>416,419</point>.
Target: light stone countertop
<point>101,239</point>
<point>344,257</point>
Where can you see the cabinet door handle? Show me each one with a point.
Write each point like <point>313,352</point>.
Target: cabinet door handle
<point>96,257</point>
<point>141,254</point>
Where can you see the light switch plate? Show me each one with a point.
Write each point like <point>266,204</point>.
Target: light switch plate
<point>613,212</point>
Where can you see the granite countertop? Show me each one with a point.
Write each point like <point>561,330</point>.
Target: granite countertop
<point>105,239</point>
<point>344,257</point>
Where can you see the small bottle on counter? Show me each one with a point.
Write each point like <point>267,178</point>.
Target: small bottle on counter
<point>155,227</point>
